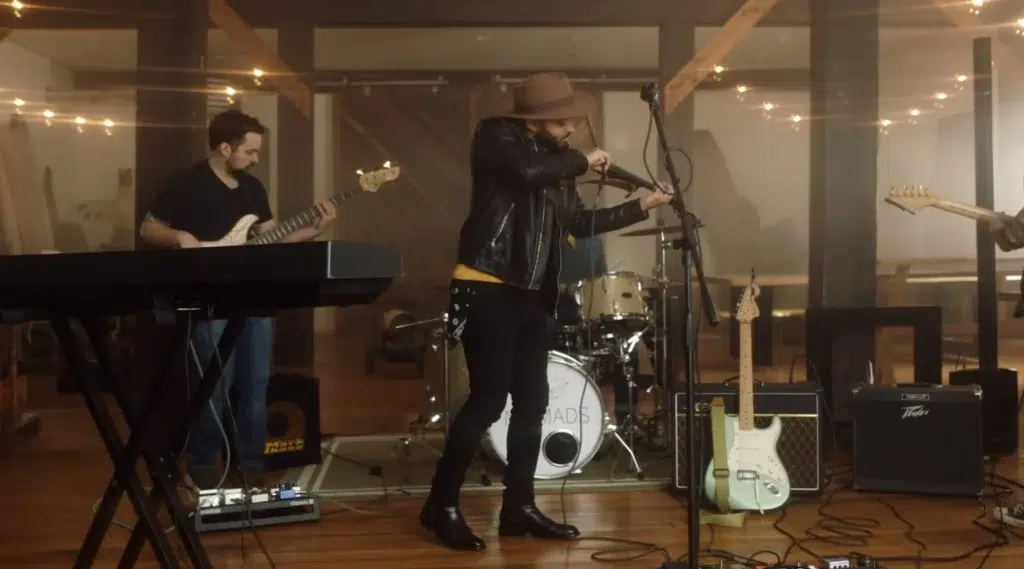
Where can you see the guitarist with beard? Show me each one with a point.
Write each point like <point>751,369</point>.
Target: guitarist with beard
<point>203,203</point>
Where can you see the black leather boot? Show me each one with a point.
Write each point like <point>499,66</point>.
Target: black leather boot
<point>518,521</point>
<point>450,527</point>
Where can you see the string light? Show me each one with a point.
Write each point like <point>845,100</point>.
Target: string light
<point>230,92</point>
<point>1020,27</point>
<point>976,6</point>
<point>48,117</point>
<point>257,75</point>
<point>18,104</point>
<point>17,6</point>
<point>108,127</point>
<point>80,124</point>
<point>883,126</point>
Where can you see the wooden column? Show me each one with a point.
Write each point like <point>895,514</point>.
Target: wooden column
<point>294,332</point>
<point>844,180</point>
<point>170,104</point>
<point>675,50</point>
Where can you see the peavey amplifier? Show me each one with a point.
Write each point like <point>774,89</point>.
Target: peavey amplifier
<point>799,446</point>
<point>918,438</point>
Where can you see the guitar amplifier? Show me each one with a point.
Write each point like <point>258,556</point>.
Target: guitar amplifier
<point>796,404</point>
<point>918,438</point>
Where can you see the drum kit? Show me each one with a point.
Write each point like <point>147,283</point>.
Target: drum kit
<point>601,322</point>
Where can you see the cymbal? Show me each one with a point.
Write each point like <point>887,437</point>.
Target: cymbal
<point>611,184</point>
<point>653,231</point>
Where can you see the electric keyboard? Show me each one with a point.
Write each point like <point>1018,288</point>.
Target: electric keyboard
<point>243,278</point>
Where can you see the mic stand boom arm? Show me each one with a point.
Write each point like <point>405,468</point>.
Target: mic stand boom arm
<point>690,247</point>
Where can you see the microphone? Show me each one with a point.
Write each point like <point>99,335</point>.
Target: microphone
<point>619,173</point>
<point>649,93</point>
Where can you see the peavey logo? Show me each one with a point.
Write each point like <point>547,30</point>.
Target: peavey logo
<point>914,411</point>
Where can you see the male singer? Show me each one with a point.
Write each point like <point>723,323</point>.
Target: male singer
<point>202,203</point>
<point>523,206</point>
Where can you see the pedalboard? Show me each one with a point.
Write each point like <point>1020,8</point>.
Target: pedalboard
<point>233,508</point>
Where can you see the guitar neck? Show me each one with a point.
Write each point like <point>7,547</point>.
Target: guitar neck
<point>968,211</point>
<point>746,379</point>
<point>300,221</point>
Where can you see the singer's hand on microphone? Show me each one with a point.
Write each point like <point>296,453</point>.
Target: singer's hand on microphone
<point>661,195</point>
<point>598,160</point>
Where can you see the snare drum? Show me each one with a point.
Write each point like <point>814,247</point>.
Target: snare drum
<point>613,303</point>
<point>574,426</point>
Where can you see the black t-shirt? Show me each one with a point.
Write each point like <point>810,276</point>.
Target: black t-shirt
<point>197,201</point>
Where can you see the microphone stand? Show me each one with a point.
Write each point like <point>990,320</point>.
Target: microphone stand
<point>690,247</point>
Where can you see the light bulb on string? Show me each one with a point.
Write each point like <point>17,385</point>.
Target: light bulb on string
<point>18,104</point>
<point>961,80</point>
<point>939,98</point>
<point>914,113</point>
<point>1020,27</point>
<point>17,6</point>
<point>766,109</point>
<point>741,92</point>
<point>718,70</point>
<point>883,126</point>
<point>230,92</point>
<point>108,127</point>
<point>976,6</point>
<point>794,122</point>
<point>48,117</point>
<point>257,75</point>
<point>80,124</point>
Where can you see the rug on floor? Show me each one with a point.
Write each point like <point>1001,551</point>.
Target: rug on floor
<point>368,466</point>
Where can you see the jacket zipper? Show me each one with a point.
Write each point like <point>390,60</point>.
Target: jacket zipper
<point>540,240</point>
<point>501,226</point>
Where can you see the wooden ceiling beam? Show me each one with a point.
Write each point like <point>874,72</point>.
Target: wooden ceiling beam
<point>245,38</point>
<point>100,14</point>
<point>713,53</point>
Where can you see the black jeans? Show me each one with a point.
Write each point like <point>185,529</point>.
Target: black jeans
<point>505,334</point>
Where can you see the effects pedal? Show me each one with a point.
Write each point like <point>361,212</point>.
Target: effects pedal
<point>231,508</point>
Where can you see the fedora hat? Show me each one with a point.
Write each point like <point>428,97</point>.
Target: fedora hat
<point>546,96</point>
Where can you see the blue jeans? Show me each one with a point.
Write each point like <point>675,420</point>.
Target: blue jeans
<point>245,379</point>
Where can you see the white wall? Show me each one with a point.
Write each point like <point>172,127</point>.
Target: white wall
<point>624,121</point>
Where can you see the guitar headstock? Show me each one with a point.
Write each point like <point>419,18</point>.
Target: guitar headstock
<point>746,308</point>
<point>372,181</point>
<point>911,199</point>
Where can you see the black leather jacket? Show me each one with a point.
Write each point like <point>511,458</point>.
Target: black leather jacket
<point>524,204</point>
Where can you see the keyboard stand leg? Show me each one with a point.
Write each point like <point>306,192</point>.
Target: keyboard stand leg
<point>207,385</point>
<point>124,457</point>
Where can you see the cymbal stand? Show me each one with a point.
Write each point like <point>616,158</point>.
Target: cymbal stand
<point>403,446</point>
<point>625,348</point>
<point>418,437</point>
<point>662,384</point>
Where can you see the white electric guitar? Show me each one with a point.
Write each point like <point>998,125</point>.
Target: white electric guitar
<point>240,234</point>
<point>913,199</point>
<point>757,479</point>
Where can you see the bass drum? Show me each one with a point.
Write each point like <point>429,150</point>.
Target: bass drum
<point>574,426</point>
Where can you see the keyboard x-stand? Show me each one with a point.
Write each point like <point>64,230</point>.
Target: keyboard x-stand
<point>226,282</point>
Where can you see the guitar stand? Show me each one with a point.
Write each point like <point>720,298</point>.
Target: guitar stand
<point>161,463</point>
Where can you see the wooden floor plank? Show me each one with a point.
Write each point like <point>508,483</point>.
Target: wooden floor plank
<point>51,483</point>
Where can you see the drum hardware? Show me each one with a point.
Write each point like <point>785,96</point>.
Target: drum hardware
<point>419,428</point>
